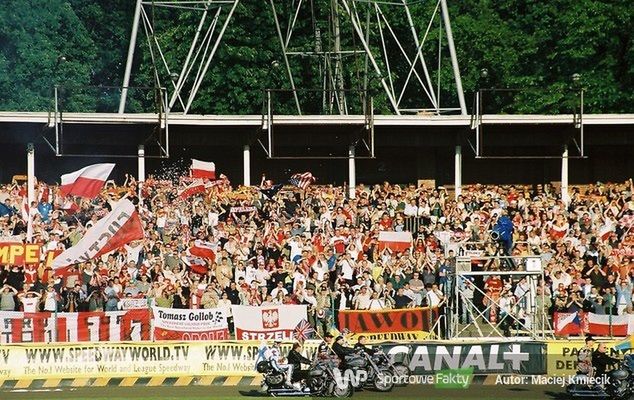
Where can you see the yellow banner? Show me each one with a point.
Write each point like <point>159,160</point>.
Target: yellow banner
<point>376,338</point>
<point>562,355</point>
<point>121,360</point>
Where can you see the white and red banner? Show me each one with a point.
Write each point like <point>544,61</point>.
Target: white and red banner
<point>186,324</point>
<point>196,187</point>
<point>87,182</point>
<point>41,327</point>
<point>579,323</point>
<point>121,226</point>
<point>395,241</point>
<point>267,322</point>
<point>608,325</point>
<point>203,169</point>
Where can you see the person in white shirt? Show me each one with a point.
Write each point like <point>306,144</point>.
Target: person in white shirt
<point>362,301</point>
<point>30,301</point>
<point>434,296</point>
<point>347,268</point>
<point>279,289</point>
<point>376,303</point>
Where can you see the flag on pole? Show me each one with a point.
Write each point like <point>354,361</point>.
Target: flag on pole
<point>203,169</point>
<point>87,182</point>
<point>196,187</point>
<point>120,226</point>
<point>302,181</point>
<point>303,330</point>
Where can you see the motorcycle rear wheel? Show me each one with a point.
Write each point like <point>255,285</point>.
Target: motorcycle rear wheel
<point>339,392</point>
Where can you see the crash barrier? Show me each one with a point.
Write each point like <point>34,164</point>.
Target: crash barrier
<point>139,323</point>
<point>227,358</point>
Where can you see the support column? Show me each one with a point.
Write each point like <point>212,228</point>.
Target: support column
<point>454,57</point>
<point>246,162</point>
<point>141,174</point>
<point>352,173</point>
<point>565,195</point>
<point>457,181</point>
<point>30,185</point>
<point>128,65</point>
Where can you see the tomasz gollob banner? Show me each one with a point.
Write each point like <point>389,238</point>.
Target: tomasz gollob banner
<point>484,358</point>
<point>184,324</point>
<point>20,327</point>
<point>267,322</point>
<point>405,320</point>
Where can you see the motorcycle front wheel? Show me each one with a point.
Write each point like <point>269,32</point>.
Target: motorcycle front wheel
<point>402,373</point>
<point>385,381</point>
<point>339,392</point>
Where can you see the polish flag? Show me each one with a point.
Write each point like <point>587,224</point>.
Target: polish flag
<point>87,182</point>
<point>196,264</point>
<point>203,169</point>
<point>567,324</point>
<point>203,249</point>
<point>69,206</point>
<point>395,241</point>
<point>608,325</point>
<point>197,186</point>
<point>120,226</point>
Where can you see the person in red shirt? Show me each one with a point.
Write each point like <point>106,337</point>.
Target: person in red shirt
<point>386,223</point>
<point>493,287</point>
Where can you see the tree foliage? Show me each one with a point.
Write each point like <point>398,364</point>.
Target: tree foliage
<point>532,45</point>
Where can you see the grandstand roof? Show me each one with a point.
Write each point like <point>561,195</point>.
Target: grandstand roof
<point>256,120</point>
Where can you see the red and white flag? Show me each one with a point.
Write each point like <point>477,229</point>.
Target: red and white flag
<point>627,221</point>
<point>302,181</point>
<point>196,187</point>
<point>203,169</point>
<point>120,226</point>
<point>69,206</point>
<point>608,325</point>
<point>203,249</point>
<point>395,241</point>
<point>196,264</point>
<point>87,182</point>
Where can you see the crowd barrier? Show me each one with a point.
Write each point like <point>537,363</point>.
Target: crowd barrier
<point>233,362</point>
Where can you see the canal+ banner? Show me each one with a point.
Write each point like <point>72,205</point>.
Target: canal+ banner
<point>186,324</point>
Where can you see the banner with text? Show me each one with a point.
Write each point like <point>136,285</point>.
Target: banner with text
<point>32,361</point>
<point>527,358</point>
<point>19,254</point>
<point>267,322</point>
<point>185,324</point>
<point>562,355</point>
<point>46,327</point>
<point>404,320</point>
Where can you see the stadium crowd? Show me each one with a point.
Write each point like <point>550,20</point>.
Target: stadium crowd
<point>318,247</point>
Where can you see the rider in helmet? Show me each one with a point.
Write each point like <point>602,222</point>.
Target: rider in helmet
<point>584,358</point>
<point>274,356</point>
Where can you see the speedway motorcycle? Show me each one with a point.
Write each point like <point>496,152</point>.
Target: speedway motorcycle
<point>321,380</point>
<point>619,383</point>
<point>368,372</point>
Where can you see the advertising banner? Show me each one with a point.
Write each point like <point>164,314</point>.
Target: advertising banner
<point>267,322</point>
<point>385,321</point>
<point>45,327</point>
<point>186,324</point>
<point>387,337</point>
<point>527,358</point>
<point>32,361</point>
<point>562,355</point>
<point>19,254</point>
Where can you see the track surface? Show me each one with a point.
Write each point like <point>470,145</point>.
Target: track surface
<point>244,393</point>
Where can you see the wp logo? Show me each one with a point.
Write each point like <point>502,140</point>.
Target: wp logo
<point>356,378</point>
